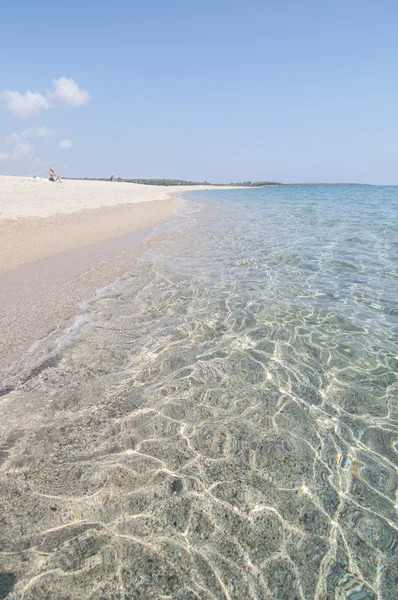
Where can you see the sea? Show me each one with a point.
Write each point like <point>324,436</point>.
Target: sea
<point>221,422</point>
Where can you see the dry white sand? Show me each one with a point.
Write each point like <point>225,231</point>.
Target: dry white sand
<point>30,197</point>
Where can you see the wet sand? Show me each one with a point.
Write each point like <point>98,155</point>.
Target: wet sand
<point>39,299</point>
<point>26,240</point>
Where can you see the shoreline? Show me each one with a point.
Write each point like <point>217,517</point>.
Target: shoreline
<point>51,265</point>
<point>39,218</point>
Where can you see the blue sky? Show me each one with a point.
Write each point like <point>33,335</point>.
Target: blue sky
<point>217,90</point>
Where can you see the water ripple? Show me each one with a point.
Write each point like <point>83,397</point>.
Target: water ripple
<point>225,424</point>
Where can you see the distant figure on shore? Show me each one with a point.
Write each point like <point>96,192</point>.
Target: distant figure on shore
<point>112,178</point>
<point>52,175</point>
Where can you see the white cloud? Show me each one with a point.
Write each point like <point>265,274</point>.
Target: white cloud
<point>65,144</point>
<point>68,91</point>
<point>20,147</point>
<point>13,138</point>
<point>36,132</point>
<point>28,104</point>
<point>20,144</point>
<point>19,150</point>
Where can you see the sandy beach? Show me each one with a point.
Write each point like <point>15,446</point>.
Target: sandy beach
<point>39,218</point>
<point>59,243</point>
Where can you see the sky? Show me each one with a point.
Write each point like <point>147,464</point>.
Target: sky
<point>290,91</point>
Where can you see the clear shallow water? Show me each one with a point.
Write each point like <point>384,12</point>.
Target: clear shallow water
<point>224,421</point>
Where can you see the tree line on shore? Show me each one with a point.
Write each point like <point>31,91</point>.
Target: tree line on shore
<point>167,182</point>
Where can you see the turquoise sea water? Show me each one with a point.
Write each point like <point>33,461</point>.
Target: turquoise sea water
<point>222,422</point>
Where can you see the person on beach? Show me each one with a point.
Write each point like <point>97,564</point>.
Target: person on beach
<point>52,175</point>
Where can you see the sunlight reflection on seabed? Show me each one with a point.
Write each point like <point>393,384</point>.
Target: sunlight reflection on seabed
<point>224,423</point>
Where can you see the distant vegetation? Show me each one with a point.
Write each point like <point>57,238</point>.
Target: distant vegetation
<point>167,182</point>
